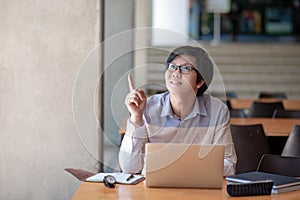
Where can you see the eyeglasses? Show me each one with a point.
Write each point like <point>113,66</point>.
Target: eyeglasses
<point>183,69</point>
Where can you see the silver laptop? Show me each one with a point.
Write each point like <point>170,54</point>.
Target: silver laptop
<point>184,165</point>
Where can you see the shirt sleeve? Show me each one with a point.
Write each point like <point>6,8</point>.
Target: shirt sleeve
<point>131,155</point>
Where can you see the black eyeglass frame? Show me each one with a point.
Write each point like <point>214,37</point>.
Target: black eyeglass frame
<point>184,69</point>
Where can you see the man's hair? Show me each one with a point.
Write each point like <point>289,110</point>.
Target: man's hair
<point>205,65</point>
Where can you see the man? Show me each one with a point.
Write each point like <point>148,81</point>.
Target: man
<point>184,114</point>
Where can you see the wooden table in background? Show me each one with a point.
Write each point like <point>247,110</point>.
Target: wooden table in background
<point>89,190</point>
<point>272,127</point>
<point>288,104</point>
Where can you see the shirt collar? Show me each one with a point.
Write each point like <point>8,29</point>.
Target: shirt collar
<point>199,108</point>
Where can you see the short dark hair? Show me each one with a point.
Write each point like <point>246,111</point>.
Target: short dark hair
<point>205,65</point>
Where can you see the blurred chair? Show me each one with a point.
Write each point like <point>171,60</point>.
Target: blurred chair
<point>276,164</point>
<point>279,113</point>
<point>275,95</point>
<point>264,109</point>
<point>250,144</point>
<point>228,104</point>
<point>237,113</point>
<point>292,145</point>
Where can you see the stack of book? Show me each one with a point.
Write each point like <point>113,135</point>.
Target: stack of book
<point>281,183</point>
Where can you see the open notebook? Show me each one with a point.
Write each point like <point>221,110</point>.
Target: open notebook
<point>122,178</point>
<point>184,165</point>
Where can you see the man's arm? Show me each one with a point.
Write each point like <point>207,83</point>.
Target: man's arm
<point>131,155</point>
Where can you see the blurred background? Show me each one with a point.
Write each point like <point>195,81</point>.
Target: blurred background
<point>64,65</point>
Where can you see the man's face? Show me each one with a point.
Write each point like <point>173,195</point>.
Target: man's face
<point>180,82</point>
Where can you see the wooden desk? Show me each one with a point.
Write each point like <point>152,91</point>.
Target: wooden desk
<point>272,127</point>
<point>99,191</point>
<point>288,104</point>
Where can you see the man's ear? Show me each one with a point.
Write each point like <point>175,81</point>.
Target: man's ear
<point>200,84</point>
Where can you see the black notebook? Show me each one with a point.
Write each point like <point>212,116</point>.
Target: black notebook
<point>281,183</point>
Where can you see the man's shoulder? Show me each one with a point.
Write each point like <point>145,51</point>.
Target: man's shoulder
<point>213,101</point>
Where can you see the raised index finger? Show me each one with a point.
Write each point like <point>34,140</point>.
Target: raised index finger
<point>130,83</point>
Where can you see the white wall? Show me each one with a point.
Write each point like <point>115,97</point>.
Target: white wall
<point>170,15</point>
<point>42,45</point>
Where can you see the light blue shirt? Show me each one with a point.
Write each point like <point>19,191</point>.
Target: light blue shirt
<point>208,123</point>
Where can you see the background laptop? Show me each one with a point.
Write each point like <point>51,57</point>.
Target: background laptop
<point>184,165</point>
